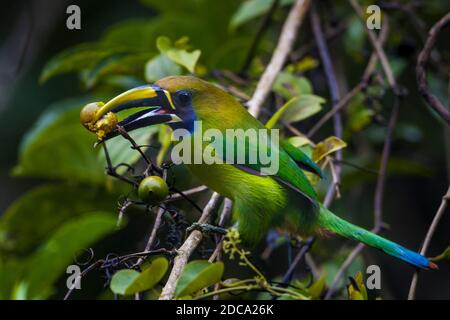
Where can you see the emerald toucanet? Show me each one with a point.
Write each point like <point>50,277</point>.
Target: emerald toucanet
<point>284,200</point>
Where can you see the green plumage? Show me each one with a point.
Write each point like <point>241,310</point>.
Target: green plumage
<point>285,200</point>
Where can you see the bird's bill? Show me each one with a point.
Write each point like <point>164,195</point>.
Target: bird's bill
<point>139,107</point>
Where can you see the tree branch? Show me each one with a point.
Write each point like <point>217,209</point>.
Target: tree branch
<point>185,251</point>
<point>334,93</point>
<point>378,49</point>
<point>422,62</point>
<point>444,112</point>
<point>426,242</point>
<point>302,253</point>
<point>189,192</point>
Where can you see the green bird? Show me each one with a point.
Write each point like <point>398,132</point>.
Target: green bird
<point>284,200</point>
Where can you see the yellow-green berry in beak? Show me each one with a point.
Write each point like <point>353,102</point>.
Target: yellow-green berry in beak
<point>103,126</point>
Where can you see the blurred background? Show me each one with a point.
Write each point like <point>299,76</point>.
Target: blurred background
<point>48,175</point>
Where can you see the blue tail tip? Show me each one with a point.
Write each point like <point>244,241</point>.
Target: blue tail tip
<point>416,259</point>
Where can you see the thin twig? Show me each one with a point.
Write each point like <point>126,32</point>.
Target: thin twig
<point>283,48</point>
<point>189,192</point>
<point>82,274</point>
<point>422,62</point>
<point>378,48</point>
<point>334,93</point>
<point>338,107</point>
<point>104,263</point>
<point>335,185</point>
<point>408,9</point>
<point>312,265</point>
<point>135,146</point>
<point>224,77</point>
<point>426,242</point>
<point>185,251</point>
<point>112,171</point>
<point>226,212</point>
<point>157,224</point>
<point>223,221</point>
<point>185,197</point>
<point>330,35</point>
<point>152,238</point>
<point>302,252</point>
<point>381,181</point>
<point>370,68</point>
<point>224,217</point>
<point>122,210</point>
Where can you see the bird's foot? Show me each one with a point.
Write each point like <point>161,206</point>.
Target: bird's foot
<point>206,228</point>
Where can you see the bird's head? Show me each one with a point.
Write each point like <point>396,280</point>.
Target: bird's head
<point>176,100</point>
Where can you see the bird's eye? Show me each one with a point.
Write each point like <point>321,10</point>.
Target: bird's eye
<point>184,97</point>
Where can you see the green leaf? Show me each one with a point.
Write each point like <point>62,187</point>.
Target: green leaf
<point>198,274</point>
<point>356,289</point>
<point>299,141</point>
<point>289,85</point>
<point>316,289</point>
<point>159,67</point>
<point>123,82</point>
<point>232,53</point>
<point>171,6</point>
<point>332,266</point>
<point>77,58</point>
<point>135,34</point>
<point>327,147</point>
<point>165,139</point>
<point>126,282</point>
<point>116,64</point>
<point>64,154</point>
<point>443,256</point>
<point>59,147</point>
<point>58,114</point>
<point>180,56</point>
<point>354,38</point>
<point>251,9</point>
<point>305,64</point>
<point>20,291</point>
<point>52,258</point>
<point>122,279</point>
<point>359,115</point>
<point>11,271</point>
<point>296,109</point>
<point>36,214</point>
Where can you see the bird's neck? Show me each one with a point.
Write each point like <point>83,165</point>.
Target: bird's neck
<point>187,123</point>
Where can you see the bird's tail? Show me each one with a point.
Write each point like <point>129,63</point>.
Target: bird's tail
<point>333,223</point>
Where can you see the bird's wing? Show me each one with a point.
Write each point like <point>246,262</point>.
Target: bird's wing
<point>300,158</point>
<point>288,171</point>
<point>287,184</point>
